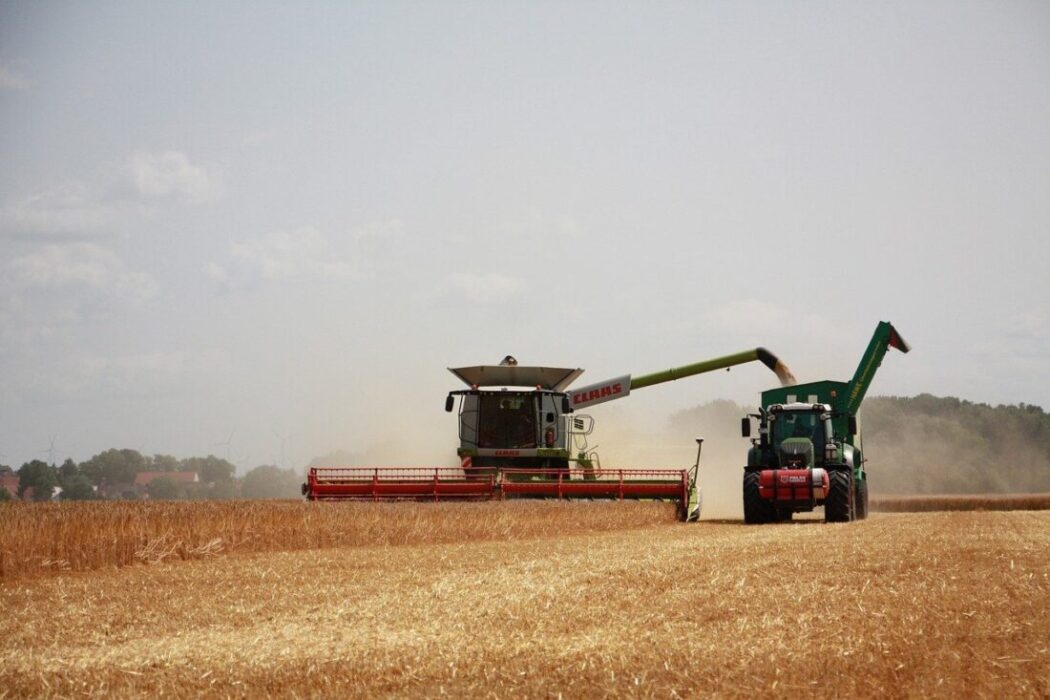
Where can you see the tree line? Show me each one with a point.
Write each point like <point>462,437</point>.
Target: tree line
<point>112,475</point>
<point>921,445</point>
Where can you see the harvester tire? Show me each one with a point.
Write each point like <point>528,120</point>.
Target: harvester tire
<point>838,507</point>
<point>861,499</point>
<point>756,510</point>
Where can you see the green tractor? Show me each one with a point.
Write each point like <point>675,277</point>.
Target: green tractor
<point>808,451</point>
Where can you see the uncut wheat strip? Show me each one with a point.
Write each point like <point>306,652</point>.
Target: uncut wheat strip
<point>925,504</point>
<point>44,538</point>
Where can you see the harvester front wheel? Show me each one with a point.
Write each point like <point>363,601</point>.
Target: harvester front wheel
<point>838,508</point>
<point>756,510</point>
<point>861,499</point>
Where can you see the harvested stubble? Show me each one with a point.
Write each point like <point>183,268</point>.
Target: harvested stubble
<point>36,538</point>
<point>929,504</point>
<point>940,604</point>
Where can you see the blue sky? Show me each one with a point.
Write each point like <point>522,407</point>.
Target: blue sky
<point>285,221</point>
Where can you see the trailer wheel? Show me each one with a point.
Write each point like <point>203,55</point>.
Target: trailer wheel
<point>861,499</point>
<point>756,510</point>
<point>838,507</point>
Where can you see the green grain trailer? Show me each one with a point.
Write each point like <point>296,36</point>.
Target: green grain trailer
<point>808,452</point>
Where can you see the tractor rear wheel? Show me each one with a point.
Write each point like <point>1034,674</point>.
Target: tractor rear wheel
<point>838,508</point>
<point>756,510</point>
<point>861,499</point>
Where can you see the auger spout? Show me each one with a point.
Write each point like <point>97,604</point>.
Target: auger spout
<point>619,387</point>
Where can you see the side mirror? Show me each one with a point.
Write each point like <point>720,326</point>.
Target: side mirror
<point>450,401</point>
<point>745,427</point>
<point>566,407</point>
<point>852,426</point>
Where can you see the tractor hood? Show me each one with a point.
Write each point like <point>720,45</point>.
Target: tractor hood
<point>552,378</point>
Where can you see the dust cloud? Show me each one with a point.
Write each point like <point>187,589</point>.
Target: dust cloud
<point>933,445</point>
<point>625,443</point>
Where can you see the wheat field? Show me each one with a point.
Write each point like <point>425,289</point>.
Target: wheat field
<point>537,600</point>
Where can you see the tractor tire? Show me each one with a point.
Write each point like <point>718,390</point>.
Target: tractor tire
<point>756,510</point>
<point>838,507</point>
<point>860,499</point>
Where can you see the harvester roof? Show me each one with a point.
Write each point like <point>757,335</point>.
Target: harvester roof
<point>553,378</point>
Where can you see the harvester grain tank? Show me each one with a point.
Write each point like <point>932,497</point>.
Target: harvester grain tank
<point>809,449</point>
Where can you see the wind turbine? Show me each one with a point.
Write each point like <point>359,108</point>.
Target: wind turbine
<point>50,450</point>
<point>284,441</point>
<point>229,440</point>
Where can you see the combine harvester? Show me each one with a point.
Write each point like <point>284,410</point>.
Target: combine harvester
<point>808,452</point>
<point>520,437</point>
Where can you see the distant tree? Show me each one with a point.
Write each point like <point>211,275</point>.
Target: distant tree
<point>194,492</point>
<point>269,481</point>
<point>163,489</point>
<point>210,469</point>
<point>163,463</point>
<point>78,488</point>
<point>5,495</point>
<point>224,490</point>
<point>114,467</point>
<point>68,470</point>
<point>40,476</point>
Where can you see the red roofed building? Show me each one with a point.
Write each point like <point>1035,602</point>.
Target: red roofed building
<point>144,478</point>
<point>9,481</point>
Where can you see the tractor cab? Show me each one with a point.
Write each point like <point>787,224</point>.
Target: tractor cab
<point>802,434</point>
<point>794,436</point>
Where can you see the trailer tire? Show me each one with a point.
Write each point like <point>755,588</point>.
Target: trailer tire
<point>838,507</point>
<point>861,499</point>
<point>756,510</point>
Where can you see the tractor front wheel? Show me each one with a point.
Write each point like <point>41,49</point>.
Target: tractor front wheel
<point>756,510</point>
<point>838,508</point>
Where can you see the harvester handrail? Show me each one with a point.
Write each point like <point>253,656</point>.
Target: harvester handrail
<point>670,473</point>
<point>407,473</point>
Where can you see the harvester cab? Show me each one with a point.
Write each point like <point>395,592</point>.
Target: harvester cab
<point>809,450</point>
<point>518,417</point>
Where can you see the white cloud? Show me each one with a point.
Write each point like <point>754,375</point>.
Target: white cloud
<point>305,252</point>
<point>146,374</point>
<point>486,288</point>
<point>380,230</point>
<point>257,137</point>
<point>171,174</point>
<point>71,209</point>
<point>114,197</point>
<point>80,265</point>
<point>12,78</point>
<point>538,226</point>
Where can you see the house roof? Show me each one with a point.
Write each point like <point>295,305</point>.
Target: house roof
<point>144,478</point>
<point>10,482</point>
